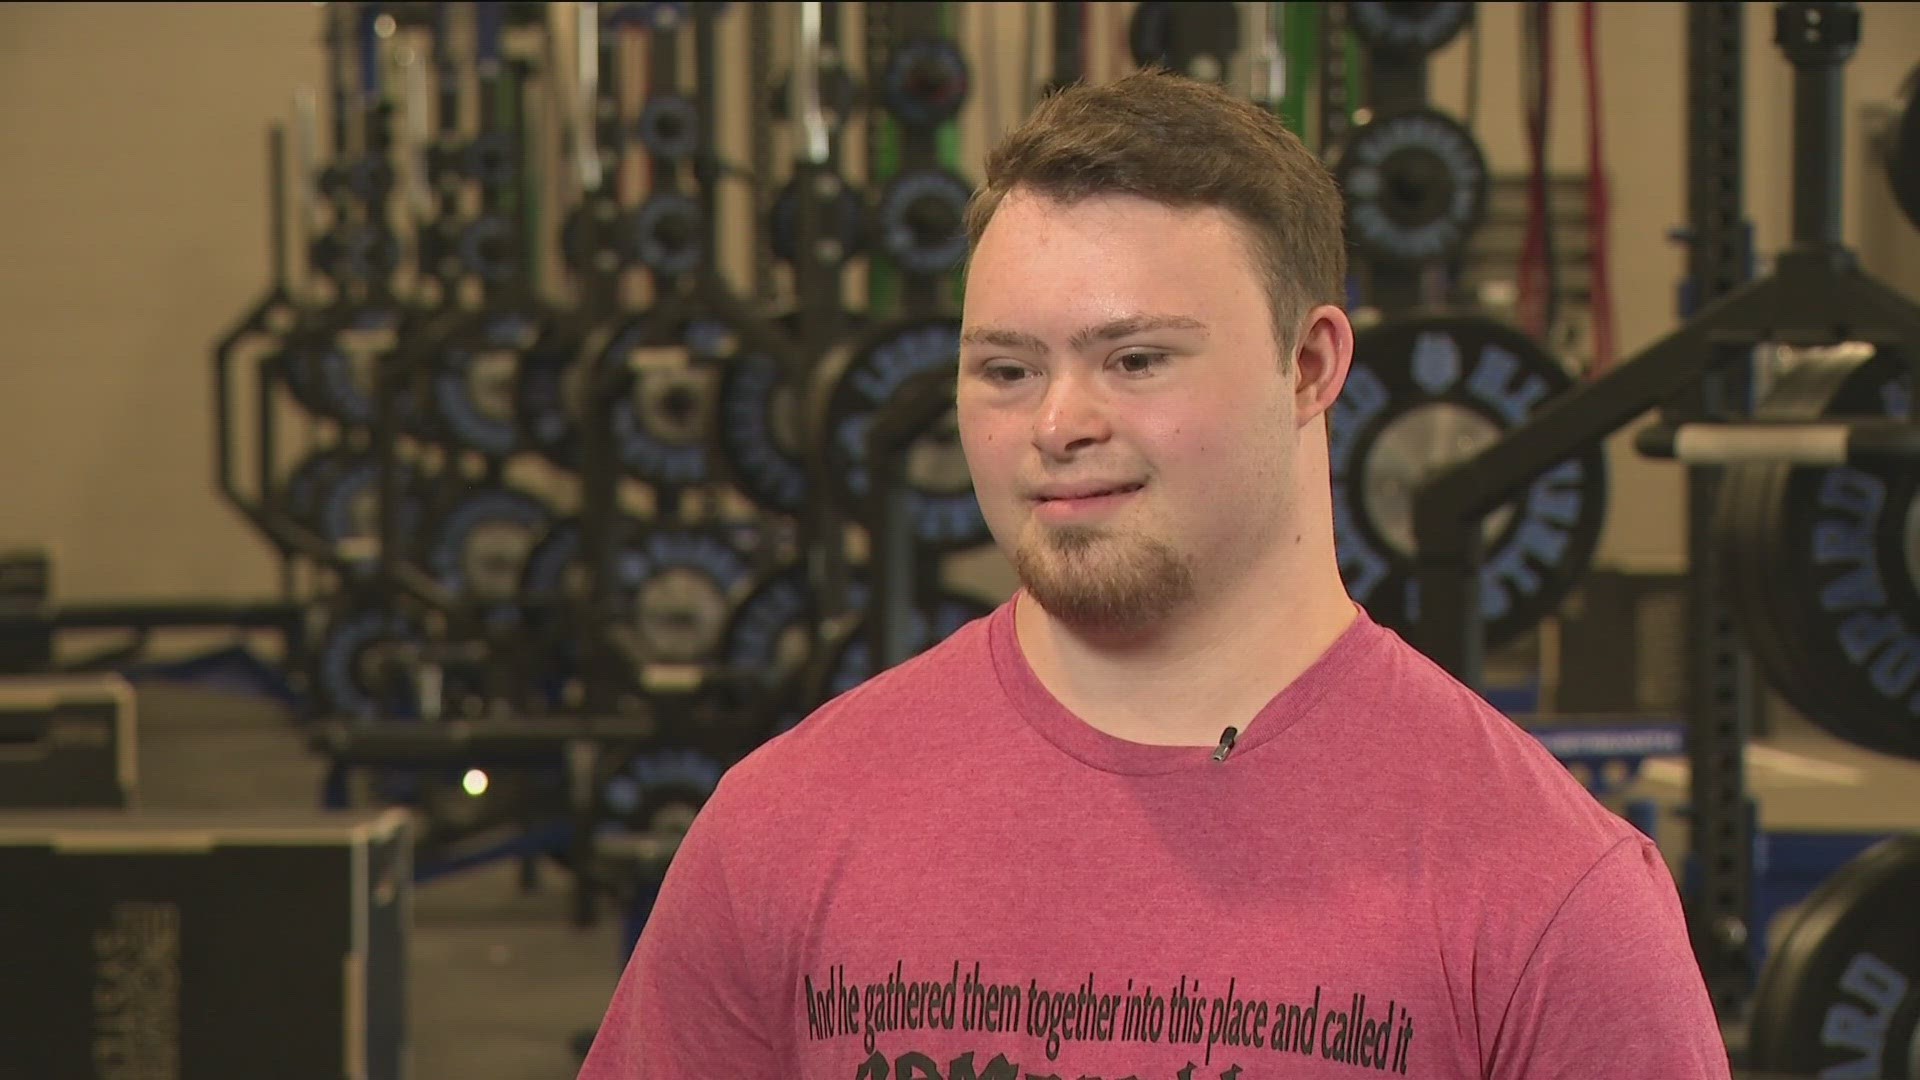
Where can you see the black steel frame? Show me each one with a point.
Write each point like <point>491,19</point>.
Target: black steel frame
<point>1816,294</point>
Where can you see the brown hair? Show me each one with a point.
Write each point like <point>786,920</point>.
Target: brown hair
<point>1184,143</point>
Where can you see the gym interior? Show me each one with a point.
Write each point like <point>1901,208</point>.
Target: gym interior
<point>447,436</point>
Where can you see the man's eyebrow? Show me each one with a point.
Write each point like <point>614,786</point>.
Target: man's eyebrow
<point>1021,341</point>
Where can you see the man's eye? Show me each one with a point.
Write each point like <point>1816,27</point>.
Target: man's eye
<point>1004,373</point>
<point>1139,363</point>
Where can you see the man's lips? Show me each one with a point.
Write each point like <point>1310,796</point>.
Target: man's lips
<point>1084,491</point>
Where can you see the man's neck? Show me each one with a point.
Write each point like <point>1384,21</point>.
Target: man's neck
<point>1216,664</point>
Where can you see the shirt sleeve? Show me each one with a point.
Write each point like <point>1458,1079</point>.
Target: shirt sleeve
<point>690,1002</point>
<point>1612,988</point>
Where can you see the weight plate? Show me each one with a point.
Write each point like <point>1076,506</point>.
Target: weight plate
<point>1410,29</point>
<point>361,181</point>
<point>489,159</point>
<point>1903,156</point>
<point>669,128</point>
<point>1743,525</point>
<point>1426,392</point>
<point>854,384</point>
<point>680,585</point>
<point>925,83</point>
<point>663,427</point>
<point>1839,996</point>
<point>759,433</point>
<point>473,377</point>
<point>847,653</point>
<point>768,633</point>
<point>300,495</point>
<point>346,503</point>
<point>768,630</point>
<point>477,547</point>
<point>1195,39</point>
<point>658,791</point>
<point>368,664</point>
<point>1839,553</point>
<point>665,235</point>
<point>1415,183</point>
<point>345,362</point>
<point>489,249</point>
<point>298,362</point>
<point>923,220</point>
<point>843,221</point>
<point>353,252</point>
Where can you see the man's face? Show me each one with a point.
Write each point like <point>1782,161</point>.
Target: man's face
<point>1123,406</point>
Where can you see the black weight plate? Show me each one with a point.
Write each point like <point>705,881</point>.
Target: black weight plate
<point>1194,39</point>
<point>1425,392</point>
<point>663,427</point>
<point>1415,183</point>
<point>768,630</point>
<point>300,495</point>
<point>847,653</point>
<point>666,234</point>
<point>853,384</point>
<point>353,252</point>
<point>1749,535</point>
<point>843,221</point>
<point>489,159</point>
<point>346,503</point>
<point>1407,29</point>
<point>1769,614</point>
<point>759,433</point>
<point>1839,996</point>
<point>477,546</point>
<point>474,375</point>
<point>489,249</point>
<point>345,359</point>
<point>680,585</point>
<point>922,220</point>
<point>362,180</point>
<point>650,785</point>
<point>367,667</point>
<point>669,127</point>
<point>1903,157</point>
<point>925,83</point>
<point>1842,562</point>
<point>297,362</point>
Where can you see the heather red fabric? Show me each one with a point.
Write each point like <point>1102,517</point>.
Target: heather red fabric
<point>943,873</point>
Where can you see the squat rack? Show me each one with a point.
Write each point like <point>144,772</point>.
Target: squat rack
<point>1700,378</point>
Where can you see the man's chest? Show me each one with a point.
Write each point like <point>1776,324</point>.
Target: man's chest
<point>952,959</point>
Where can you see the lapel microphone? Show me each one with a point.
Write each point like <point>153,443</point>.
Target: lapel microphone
<point>1227,739</point>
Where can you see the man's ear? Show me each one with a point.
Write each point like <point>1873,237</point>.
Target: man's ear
<point>1321,361</point>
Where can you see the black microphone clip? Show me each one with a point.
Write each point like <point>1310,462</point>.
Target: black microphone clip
<point>1227,739</point>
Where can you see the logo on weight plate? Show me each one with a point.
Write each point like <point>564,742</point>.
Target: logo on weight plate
<point>945,519</point>
<point>1498,385</point>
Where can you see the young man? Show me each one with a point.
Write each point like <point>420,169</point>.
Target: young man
<point>1030,852</point>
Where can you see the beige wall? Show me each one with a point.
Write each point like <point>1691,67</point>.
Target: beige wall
<point>133,217</point>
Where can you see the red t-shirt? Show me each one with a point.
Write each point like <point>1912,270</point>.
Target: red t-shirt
<point>944,873</point>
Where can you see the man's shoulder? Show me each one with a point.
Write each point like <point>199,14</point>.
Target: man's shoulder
<point>1489,773</point>
<point>873,723</point>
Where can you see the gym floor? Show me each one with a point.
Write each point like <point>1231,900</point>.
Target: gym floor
<point>500,982</point>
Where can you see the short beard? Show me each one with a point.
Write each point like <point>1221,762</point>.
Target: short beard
<point>1098,581</point>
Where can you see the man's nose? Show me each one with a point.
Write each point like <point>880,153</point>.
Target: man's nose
<point>1072,414</point>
